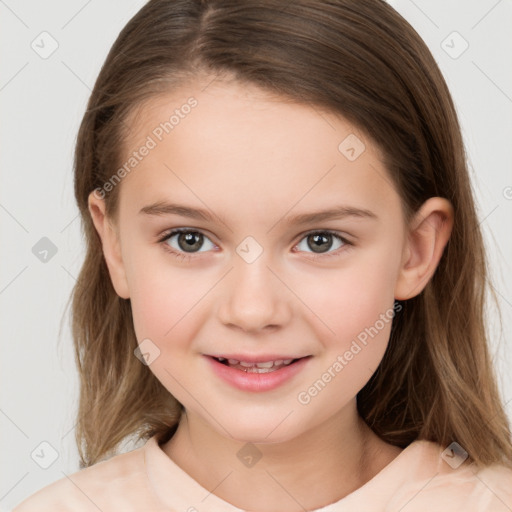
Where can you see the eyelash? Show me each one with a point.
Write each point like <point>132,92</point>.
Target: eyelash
<point>187,257</point>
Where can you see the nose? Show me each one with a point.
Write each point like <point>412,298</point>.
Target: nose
<point>253,298</point>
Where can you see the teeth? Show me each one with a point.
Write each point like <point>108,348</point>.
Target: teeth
<point>260,370</point>
<point>268,364</point>
<point>263,367</point>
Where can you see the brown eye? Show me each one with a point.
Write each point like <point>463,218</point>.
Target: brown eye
<point>190,242</point>
<point>321,242</point>
<point>186,241</point>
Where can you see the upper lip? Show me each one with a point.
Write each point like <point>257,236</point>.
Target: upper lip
<point>256,358</point>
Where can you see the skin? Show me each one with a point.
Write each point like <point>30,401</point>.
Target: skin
<point>255,159</point>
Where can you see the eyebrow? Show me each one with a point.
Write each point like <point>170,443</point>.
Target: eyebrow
<point>337,212</point>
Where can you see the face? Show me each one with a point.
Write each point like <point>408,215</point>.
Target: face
<point>252,278</point>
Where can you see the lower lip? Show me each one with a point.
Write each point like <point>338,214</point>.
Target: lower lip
<point>257,382</point>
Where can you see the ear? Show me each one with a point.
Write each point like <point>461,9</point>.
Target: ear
<point>110,243</point>
<point>428,234</point>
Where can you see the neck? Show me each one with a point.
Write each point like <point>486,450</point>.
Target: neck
<point>320,467</point>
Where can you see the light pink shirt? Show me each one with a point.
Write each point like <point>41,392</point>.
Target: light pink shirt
<point>147,480</point>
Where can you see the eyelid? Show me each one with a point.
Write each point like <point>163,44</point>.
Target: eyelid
<point>173,231</point>
<point>346,237</point>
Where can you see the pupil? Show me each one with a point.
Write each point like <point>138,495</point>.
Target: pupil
<point>318,239</point>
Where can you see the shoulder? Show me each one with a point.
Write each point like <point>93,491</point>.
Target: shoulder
<point>439,482</point>
<point>119,483</point>
<point>471,488</point>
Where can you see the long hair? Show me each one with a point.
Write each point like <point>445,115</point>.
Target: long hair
<point>358,58</point>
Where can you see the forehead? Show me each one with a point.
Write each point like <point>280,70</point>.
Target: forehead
<point>230,141</point>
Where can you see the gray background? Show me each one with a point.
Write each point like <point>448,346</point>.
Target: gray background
<point>42,99</point>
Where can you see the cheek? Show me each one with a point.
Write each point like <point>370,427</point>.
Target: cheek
<point>362,324</point>
<point>365,325</point>
<point>162,299</point>
<point>347,300</point>
<point>354,312</point>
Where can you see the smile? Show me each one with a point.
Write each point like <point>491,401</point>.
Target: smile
<point>262,367</point>
<point>256,376</point>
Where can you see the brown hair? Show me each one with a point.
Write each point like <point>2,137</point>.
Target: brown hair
<point>358,58</point>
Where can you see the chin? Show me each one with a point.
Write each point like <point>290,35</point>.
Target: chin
<point>262,430</point>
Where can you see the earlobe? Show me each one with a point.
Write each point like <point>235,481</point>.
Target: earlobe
<point>428,234</point>
<point>111,245</point>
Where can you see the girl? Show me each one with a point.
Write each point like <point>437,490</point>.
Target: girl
<point>225,142</point>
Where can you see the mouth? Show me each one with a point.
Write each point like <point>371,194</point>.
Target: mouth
<point>257,374</point>
<point>269,366</point>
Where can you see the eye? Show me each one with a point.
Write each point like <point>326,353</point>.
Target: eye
<point>184,242</point>
<point>320,242</point>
